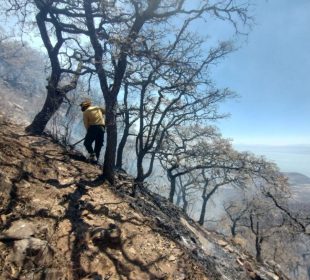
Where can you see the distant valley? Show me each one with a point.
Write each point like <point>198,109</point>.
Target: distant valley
<point>300,187</point>
<point>295,178</point>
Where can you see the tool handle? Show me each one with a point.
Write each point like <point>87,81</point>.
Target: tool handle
<point>78,142</point>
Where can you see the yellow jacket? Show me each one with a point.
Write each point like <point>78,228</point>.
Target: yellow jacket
<point>93,115</point>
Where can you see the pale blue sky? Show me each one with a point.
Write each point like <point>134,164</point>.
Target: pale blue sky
<point>270,72</point>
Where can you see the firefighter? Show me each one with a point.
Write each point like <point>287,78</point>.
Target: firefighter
<point>94,122</point>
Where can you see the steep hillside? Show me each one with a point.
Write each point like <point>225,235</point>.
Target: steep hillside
<point>295,178</point>
<point>59,222</point>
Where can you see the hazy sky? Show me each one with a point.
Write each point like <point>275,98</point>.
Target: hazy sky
<point>271,74</point>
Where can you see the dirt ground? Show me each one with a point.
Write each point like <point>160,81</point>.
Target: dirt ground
<point>58,221</point>
<point>89,232</point>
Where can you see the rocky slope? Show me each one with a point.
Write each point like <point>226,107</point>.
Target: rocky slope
<point>58,221</point>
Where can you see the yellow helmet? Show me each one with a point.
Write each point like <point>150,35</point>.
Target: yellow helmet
<point>85,103</point>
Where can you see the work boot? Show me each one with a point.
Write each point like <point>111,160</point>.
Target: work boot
<point>92,158</point>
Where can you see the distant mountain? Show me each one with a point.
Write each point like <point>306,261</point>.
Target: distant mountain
<point>295,178</point>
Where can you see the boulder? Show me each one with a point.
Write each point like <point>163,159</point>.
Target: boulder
<point>18,230</point>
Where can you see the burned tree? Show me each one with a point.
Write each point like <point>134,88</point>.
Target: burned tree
<point>214,179</point>
<point>62,64</point>
<point>116,34</point>
<point>235,212</point>
<point>256,212</point>
<point>203,154</point>
<point>123,38</point>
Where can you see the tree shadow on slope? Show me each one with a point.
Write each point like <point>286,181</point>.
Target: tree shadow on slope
<point>125,267</point>
<point>106,238</point>
<point>80,230</point>
<point>153,206</point>
<point>10,190</point>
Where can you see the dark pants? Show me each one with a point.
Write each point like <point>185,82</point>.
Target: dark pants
<point>94,133</point>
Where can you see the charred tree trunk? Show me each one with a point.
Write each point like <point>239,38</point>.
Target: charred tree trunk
<point>205,199</point>
<point>203,212</point>
<point>140,170</point>
<point>258,242</point>
<point>185,202</point>
<point>233,229</point>
<point>54,99</point>
<point>258,247</point>
<point>52,103</point>
<point>172,179</point>
<point>140,174</point>
<point>172,187</point>
<point>121,146</point>
<point>55,94</point>
<point>110,152</point>
<point>255,228</point>
<point>182,195</point>
<point>179,197</point>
